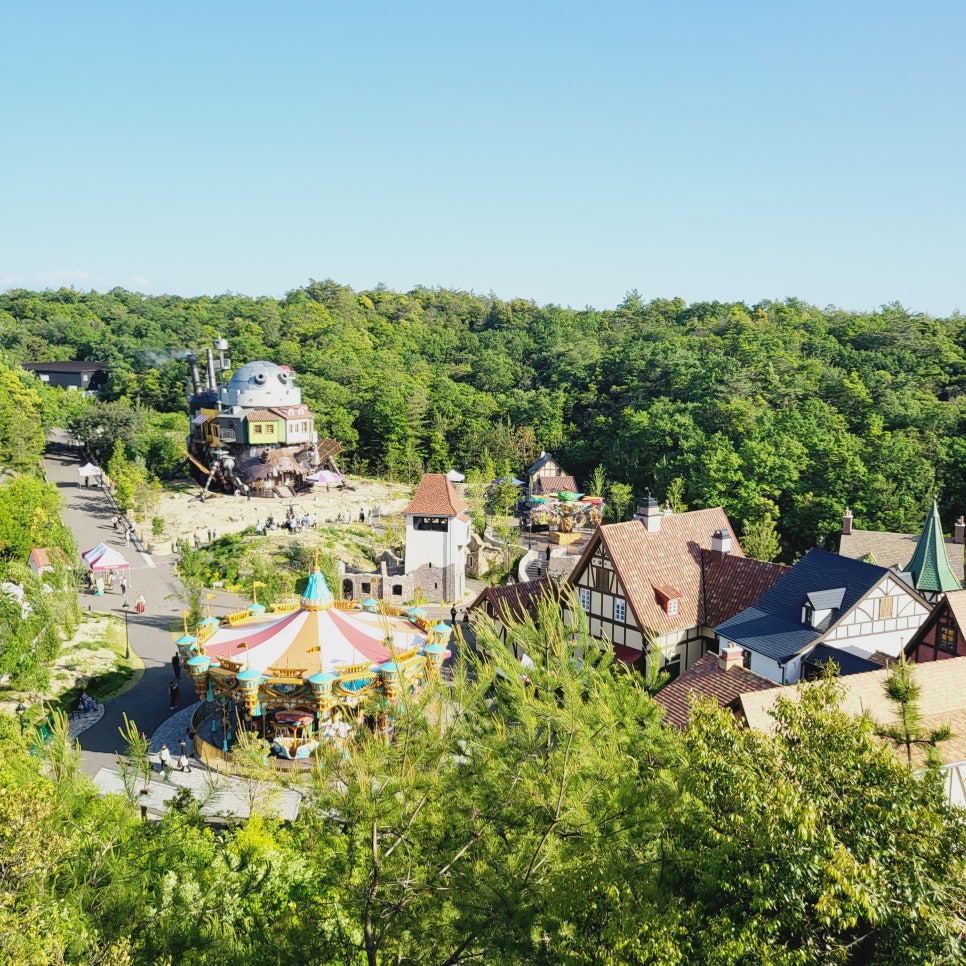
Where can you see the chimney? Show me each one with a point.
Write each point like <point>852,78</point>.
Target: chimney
<point>650,513</point>
<point>731,656</point>
<point>847,523</point>
<point>720,544</point>
<point>212,380</point>
<point>959,531</point>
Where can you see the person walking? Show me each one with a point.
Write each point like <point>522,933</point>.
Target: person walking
<point>140,606</point>
<point>164,756</point>
<point>183,762</point>
<point>176,666</point>
<point>174,693</point>
<point>123,583</point>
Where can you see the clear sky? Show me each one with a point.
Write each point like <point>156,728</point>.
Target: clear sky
<point>565,152</point>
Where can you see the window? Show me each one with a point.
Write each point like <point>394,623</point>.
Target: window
<point>258,429</point>
<point>585,598</point>
<point>746,658</point>
<point>620,609</point>
<point>397,590</point>
<point>672,607</point>
<point>367,588</point>
<point>946,636</point>
<point>885,608</point>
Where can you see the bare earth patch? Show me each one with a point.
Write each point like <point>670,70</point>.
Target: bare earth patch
<point>185,515</point>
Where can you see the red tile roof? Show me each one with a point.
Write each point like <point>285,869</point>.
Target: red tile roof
<point>555,484</point>
<point>515,601</point>
<point>671,555</point>
<point>734,583</point>
<point>260,416</point>
<point>435,496</point>
<point>705,677</point>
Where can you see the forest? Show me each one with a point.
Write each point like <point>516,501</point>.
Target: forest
<point>779,412</point>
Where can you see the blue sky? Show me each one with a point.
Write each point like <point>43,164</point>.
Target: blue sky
<point>556,151</point>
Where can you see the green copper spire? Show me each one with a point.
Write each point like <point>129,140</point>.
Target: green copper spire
<point>929,565</point>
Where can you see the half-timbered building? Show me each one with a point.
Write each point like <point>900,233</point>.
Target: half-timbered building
<point>943,633</point>
<point>826,607</point>
<point>660,584</point>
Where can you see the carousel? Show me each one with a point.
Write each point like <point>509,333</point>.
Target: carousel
<point>309,672</point>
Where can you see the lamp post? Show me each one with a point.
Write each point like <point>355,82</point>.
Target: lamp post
<point>21,711</point>
<point>127,640</point>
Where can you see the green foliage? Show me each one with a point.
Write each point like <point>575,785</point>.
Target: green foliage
<point>761,540</point>
<point>619,496</point>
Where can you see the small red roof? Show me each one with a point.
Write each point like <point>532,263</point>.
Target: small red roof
<point>435,497</point>
<point>706,677</point>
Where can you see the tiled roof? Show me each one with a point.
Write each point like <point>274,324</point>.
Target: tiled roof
<point>555,484</point>
<point>436,497</point>
<point>895,549</point>
<point>706,677</point>
<point>847,663</point>
<point>40,557</point>
<point>292,412</point>
<point>773,627</point>
<point>929,564</point>
<point>734,583</point>
<point>516,601</point>
<point>673,556</point>
<point>942,700</point>
<point>261,416</point>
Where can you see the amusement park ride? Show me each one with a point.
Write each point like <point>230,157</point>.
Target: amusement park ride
<point>309,671</point>
<point>562,515</point>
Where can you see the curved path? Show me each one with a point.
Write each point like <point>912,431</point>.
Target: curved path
<point>88,512</point>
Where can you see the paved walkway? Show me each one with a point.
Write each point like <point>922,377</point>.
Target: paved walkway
<point>88,512</point>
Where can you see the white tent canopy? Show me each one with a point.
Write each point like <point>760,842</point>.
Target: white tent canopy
<point>103,557</point>
<point>88,470</point>
<point>454,477</point>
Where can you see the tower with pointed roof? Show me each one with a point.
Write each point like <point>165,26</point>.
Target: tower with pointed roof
<point>437,534</point>
<point>929,567</point>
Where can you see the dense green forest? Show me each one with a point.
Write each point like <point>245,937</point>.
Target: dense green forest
<point>779,411</point>
<point>549,818</point>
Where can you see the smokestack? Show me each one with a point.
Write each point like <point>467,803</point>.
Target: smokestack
<point>959,531</point>
<point>212,381</point>
<point>847,523</point>
<point>195,375</point>
<point>720,544</point>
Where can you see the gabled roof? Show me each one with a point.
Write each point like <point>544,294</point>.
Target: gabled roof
<point>929,565</point>
<point>262,416</point>
<point>516,601</point>
<point>555,484</point>
<point>435,496</point>
<point>942,700</point>
<point>706,677</point>
<point>678,555</point>
<point>888,549</point>
<point>734,583</point>
<point>540,463</point>
<point>773,626</point>
<point>40,558</point>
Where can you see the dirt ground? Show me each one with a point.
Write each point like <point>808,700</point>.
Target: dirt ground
<point>185,515</point>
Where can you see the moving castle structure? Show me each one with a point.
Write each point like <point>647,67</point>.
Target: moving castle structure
<point>253,435</point>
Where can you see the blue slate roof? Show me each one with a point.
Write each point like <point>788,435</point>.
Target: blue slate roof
<point>773,626</point>
<point>848,663</point>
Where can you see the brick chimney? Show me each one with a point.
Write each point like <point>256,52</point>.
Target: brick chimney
<point>847,523</point>
<point>730,656</point>
<point>959,530</point>
<point>720,544</point>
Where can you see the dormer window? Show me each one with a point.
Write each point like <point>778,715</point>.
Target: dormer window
<point>669,599</point>
<point>808,615</point>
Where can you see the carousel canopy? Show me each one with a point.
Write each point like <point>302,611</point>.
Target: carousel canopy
<point>314,637</point>
<point>325,476</point>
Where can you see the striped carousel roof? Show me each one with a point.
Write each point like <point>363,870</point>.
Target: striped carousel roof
<point>315,637</point>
